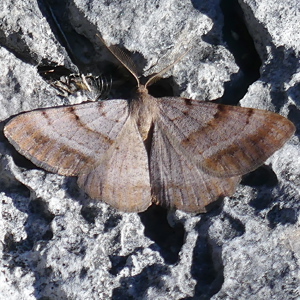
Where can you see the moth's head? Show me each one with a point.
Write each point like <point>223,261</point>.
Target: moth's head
<point>142,89</point>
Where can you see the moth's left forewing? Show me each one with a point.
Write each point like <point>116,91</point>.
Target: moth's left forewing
<point>177,183</point>
<point>223,141</point>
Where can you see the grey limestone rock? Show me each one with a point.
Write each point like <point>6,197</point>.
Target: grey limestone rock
<point>56,243</point>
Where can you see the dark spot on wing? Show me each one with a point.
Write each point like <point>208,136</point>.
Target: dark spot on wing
<point>71,110</point>
<point>40,139</point>
<point>187,101</point>
<point>222,111</point>
<point>186,141</point>
<point>45,115</point>
<point>249,114</point>
<point>101,104</point>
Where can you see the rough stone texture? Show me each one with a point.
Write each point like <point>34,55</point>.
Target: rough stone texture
<point>58,244</point>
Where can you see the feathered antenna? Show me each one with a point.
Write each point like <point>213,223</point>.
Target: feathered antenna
<point>157,76</point>
<point>123,58</point>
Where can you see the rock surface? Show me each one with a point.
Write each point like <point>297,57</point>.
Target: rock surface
<point>58,244</point>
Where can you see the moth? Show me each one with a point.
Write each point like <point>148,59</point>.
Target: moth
<point>179,153</point>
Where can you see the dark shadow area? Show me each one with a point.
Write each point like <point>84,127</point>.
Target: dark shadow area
<point>163,88</point>
<point>39,220</point>
<point>83,273</point>
<point>238,41</point>
<point>280,215</point>
<point>237,228</point>
<point>89,213</point>
<point>207,267</point>
<point>264,175</point>
<point>282,67</point>
<point>37,227</point>
<point>86,57</point>
<point>294,116</point>
<point>112,222</point>
<point>12,187</point>
<point>262,200</point>
<point>80,50</point>
<point>263,179</point>
<point>72,189</point>
<point>294,93</point>
<point>23,53</point>
<point>168,239</point>
<point>134,287</point>
<point>117,263</point>
<point>265,199</point>
<point>52,73</point>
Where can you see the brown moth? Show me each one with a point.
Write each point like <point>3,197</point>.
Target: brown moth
<point>179,153</point>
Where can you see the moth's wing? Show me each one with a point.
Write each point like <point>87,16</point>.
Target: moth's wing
<point>222,140</point>
<point>121,177</point>
<point>68,139</point>
<point>177,182</point>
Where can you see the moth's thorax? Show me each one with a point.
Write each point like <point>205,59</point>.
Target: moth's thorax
<point>143,109</point>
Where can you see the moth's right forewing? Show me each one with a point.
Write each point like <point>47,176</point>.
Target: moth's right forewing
<point>68,139</point>
<point>176,181</point>
<point>222,140</point>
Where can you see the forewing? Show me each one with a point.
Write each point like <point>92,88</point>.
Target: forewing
<point>176,181</point>
<point>222,140</point>
<point>68,139</point>
<point>121,177</point>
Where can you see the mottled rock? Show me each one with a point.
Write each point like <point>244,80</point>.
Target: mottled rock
<point>58,244</point>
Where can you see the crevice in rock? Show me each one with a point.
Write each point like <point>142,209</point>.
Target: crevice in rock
<point>278,215</point>
<point>169,239</point>
<point>118,263</point>
<point>112,222</point>
<point>207,267</point>
<point>294,114</point>
<point>134,287</point>
<point>38,221</point>
<point>239,42</point>
<point>262,201</point>
<point>37,229</point>
<point>78,47</point>
<point>282,63</point>
<point>89,213</point>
